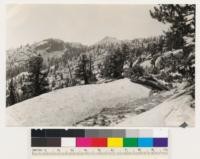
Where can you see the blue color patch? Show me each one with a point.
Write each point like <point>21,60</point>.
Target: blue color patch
<point>145,142</point>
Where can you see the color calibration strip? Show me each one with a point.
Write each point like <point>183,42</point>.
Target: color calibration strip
<point>102,138</point>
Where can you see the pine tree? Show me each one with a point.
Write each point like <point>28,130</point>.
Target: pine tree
<point>113,64</point>
<point>152,48</point>
<point>173,41</point>
<point>181,34</point>
<point>161,44</point>
<point>181,18</point>
<point>37,80</point>
<point>12,96</point>
<point>84,70</point>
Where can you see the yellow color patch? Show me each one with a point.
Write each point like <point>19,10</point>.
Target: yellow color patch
<point>115,142</point>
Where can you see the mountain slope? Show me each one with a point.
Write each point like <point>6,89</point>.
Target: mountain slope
<point>67,106</point>
<point>48,48</point>
<point>107,41</point>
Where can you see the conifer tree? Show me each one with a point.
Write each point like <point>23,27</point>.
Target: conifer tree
<point>37,80</point>
<point>181,18</point>
<point>181,34</point>
<point>113,64</point>
<point>84,70</point>
<point>12,96</point>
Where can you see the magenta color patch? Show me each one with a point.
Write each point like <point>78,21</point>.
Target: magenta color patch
<point>83,142</point>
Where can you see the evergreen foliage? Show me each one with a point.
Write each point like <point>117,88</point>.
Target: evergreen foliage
<point>182,29</point>
<point>37,82</point>
<point>11,97</point>
<point>114,62</point>
<point>84,69</point>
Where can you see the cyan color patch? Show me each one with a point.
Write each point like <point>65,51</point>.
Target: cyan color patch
<point>145,142</point>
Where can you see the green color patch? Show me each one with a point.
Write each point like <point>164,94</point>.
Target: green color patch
<point>130,142</point>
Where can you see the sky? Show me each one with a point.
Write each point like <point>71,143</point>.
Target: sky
<point>87,24</point>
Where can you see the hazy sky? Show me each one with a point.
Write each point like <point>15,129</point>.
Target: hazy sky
<point>78,23</point>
